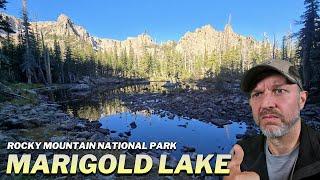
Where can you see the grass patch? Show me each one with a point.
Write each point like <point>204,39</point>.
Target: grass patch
<point>29,99</point>
<point>25,86</point>
<point>20,93</point>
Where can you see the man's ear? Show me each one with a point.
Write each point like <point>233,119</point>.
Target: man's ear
<point>303,99</point>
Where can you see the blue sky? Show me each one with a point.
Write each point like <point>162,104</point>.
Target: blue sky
<point>168,19</point>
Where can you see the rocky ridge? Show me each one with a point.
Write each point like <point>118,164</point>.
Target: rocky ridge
<point>203,40</point>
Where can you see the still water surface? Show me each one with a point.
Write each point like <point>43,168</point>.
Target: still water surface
<point>106,107</point>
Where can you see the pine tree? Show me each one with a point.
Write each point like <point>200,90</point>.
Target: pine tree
<point>308,43</point>
<point>4,21</point>
<point>58,64</point>
<point>38,51</point>
<point>68,64</point>
<point>47,63</point>
<point>28,65</point>
<point>131,60</point>
<point>123,62</point>
<point>284,49</point>
<point>115,59</point>
<point>8,49</point>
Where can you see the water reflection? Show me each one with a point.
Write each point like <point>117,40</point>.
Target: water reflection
<point>94,111</point>
<point>206,138</point>
<point>105,105</point>
<point>102,102</point>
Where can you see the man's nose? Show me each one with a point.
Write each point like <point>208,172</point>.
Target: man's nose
<point>268,101</point>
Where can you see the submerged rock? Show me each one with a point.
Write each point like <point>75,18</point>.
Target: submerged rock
<point>188,149</point>
<point>128,133</point>
<point>220,122</point>
<point>170,116</point>
<point>183,125</point>
<point>133,125</point>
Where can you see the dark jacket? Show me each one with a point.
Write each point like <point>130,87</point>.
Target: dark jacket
<point>308,163</point>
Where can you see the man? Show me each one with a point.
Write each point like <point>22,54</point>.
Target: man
<point>287,148</point>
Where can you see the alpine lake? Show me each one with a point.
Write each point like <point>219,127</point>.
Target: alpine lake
<point>107,107</point>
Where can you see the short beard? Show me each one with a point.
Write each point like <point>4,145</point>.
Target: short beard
<point>281,131</point>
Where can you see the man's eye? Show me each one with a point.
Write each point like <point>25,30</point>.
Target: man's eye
<point>279,91</point>
<point>256,94</point>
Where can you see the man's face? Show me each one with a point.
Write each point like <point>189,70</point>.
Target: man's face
<point>276,105</point>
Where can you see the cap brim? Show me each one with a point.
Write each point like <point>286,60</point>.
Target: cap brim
<point>250,77</point>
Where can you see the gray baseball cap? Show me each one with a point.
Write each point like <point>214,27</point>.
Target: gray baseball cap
<point>283,67</point>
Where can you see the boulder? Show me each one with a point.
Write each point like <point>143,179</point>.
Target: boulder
<point>128,133</point>
<point>18,123</point>
<point>80,126</point>
<point>84,134</point>
<point>80,87</point>
<point>103,131</point>
<point>66,127</point>
<point>58,139</point>
<point>97,137</point>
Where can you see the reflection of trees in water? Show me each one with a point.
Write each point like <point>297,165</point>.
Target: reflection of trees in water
<point>152,87</point>
<point>113,107</point>
<point>95,112</point>
<point>103,102</point>
<point>226,128</point>
<point>58,95</point>
<point>89,112</point>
